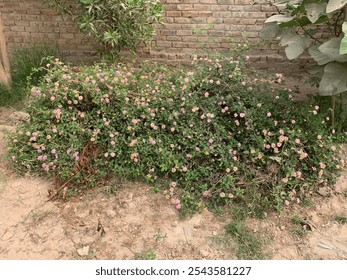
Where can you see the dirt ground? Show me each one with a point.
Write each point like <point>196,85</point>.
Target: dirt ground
<point>134,222</point>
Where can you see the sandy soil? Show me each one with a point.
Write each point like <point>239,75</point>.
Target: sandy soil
<point>134,221</point>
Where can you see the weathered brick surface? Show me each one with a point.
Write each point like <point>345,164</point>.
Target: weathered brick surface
<point>189,25</point>
<point>32,22</point>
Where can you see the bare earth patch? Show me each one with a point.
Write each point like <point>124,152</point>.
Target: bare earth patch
<point>324,238</point>
<point>135,222</point>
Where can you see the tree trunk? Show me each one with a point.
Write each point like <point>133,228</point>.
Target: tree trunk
<point>5,72</point>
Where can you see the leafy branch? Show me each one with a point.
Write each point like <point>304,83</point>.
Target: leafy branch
<point>330,54</point>
<point>115,25</point>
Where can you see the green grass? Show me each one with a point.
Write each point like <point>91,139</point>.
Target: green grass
<point>25,64</point>
<point>9,96</point>
<point>298,229</point>
<point>296,220</point>
<point>111,189</point>
<point>249,246</point>
<point>145,255</point>
<point>3,182</point>
<point>341,219</point>
<point>240,240</point>
<point>25,60</point>
<point>340,114</point>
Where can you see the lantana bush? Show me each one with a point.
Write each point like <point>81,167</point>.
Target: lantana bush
<point>208,135</point>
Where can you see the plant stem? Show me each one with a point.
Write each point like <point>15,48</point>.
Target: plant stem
<point>308,33</point>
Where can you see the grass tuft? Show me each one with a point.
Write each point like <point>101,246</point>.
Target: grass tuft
<point>26,71</point>
<point>341,219</point>
<point>249,245</point>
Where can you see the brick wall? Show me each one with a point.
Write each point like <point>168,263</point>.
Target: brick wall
<point>30,21</point>
<point>189,24</point>
<point>211,23</point>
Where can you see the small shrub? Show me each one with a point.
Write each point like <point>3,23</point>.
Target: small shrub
<point>208,134</point>
<point>115,25</point>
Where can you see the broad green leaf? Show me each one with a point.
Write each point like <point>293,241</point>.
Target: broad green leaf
<point>296,43</point>
<point>332,50</point>
<point>317,70</point>
<point>344,27</point>
<point>334,5</point>
<point>302,21</point>
<point>297,47</point>
<point>334,80</point>
<point>287,36</point>
<point>279,18</point>
<point>319,57</point>
<point>323,19</point>
<point>343,44</point>
<point>270,30</point>
<point>315,11</point>
<point>292,23</point>
<point>284,3</point>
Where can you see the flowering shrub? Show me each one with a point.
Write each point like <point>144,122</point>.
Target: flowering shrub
<point>209,134</point>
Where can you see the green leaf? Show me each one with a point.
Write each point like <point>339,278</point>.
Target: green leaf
<point>86,2</point>
<point>111,37</point>
<point>343,44</point>
<point>297,47</point>
<point>334,80</point>
<point>319,57</point>
<point>323,19</point>
<point>279,18</point>
<point>317,70</point>
<point>277,159</point>
<point>288,35</point>
<point>163,167</point>
<point>296,43</point>
<point>284,3</point>
<point>315,11</point>
<point>334,5</point>
<point>302,21</point>
<point>270,30</point>
<point>332,50</point>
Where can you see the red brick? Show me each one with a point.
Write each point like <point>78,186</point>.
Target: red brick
<point>208,1</point>
<point>175,41</point>
<point>182,20</point>
<point>198,7</point>
<point>184,7</point>
<point>184,32</point>
<point>173,13</point>
<point>215,20</point>
<point>173,38</point>
<point>227,2</point>
<point>197,14</point>
<point>164,44</point>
